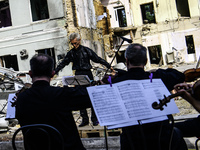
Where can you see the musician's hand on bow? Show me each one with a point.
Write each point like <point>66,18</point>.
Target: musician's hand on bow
<point>183,87</point>
<point>113,71</point>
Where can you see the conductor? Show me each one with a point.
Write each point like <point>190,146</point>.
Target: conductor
<point>80,56</point>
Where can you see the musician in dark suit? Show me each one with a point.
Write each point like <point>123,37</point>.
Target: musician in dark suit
<point>81,56</point>
<point>45,104</point>
<point>189,127</point>
<point>156,135</point>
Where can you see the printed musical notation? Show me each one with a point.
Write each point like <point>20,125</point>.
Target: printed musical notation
<point>129,101</point>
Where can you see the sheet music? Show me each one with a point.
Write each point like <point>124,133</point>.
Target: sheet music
<point>131,123</point>
<point>129,101</point>
<point>10,110</point>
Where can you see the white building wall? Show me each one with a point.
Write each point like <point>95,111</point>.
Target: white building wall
<point>170,28</point>
<point>32,36</point>
<point>20,12</point>
<point>168,40</point>
<point>56,9</point>
<point>194,9</point>
<point>115,3</point>
<point>85,13</point>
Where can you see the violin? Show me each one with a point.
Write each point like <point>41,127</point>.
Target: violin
<point>25,87</point>
<point>191,74</point>
<point>194,91</point>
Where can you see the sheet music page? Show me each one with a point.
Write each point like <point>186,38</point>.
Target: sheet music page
<point>10,110</point>
<point>10,114</point>
<point>131,123</point>
<point>107,104</point>
<point>129,101</point>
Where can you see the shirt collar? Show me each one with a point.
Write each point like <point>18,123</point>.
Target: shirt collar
<point>41,82</point>
<point>136,69</point>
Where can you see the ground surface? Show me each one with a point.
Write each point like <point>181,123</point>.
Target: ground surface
<point>184,107</point>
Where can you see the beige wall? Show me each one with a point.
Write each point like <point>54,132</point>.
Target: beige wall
<point>194,8</point>
<point>164,10</point>
<point>170,28</point>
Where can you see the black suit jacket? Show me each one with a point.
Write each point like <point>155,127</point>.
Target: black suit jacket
<point>152,134</point>
<point>45,104</point>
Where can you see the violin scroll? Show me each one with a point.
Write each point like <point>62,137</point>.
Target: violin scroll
<point>162,103</point>
<point>194,91</point>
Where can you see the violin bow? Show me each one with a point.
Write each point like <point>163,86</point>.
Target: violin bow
<point>198,63</point>
<point>123,39</point>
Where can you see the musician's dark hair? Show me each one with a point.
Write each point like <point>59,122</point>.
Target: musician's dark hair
<point>136,54</point>
<point>41,65</point>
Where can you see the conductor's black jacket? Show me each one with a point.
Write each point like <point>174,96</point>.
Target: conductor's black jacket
<point>81,59</point>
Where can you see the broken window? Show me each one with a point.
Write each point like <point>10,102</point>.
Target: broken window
<point>48,51</point>
<point>183,8</point>
<point>120,15</point>
<point>155,53</point>
<point>148,14</point>
<point>9,61</point>
<point>120,57</point>
<point>5,18</point>
<point>190,44</point>
<point>39,9</point>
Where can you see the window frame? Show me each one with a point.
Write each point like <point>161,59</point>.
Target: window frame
<point>117,15</point>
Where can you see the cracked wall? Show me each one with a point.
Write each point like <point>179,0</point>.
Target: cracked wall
<point>170,29</point>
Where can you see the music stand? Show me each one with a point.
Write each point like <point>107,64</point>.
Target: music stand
<point>76,80</point>
<point>79,80</point>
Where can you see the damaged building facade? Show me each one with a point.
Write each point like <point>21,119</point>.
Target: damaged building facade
<point>168,28</point>
<point>31,27</point>
<point>87,18</point>
<point>35,26</point>
<point>121,25</point>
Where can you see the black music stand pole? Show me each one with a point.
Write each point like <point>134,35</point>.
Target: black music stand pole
<point>115,55</point>
<point>106,139</point>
